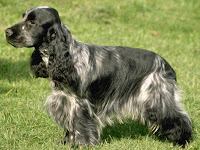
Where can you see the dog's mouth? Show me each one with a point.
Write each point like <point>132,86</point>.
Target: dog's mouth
<point>15,42</point>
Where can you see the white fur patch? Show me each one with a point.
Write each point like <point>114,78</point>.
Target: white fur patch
<point>42,7</point>
<point>46,60</point>
<point>45,57</point>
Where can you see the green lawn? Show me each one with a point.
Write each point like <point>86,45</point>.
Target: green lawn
<point>170,28</point>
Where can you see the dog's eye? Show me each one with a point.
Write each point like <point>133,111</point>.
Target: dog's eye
<point>31,22</point>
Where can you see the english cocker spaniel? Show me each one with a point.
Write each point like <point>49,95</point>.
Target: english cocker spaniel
<point>94,84</point>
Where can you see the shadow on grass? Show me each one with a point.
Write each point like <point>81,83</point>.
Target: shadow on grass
<point>132,130</point>
<point>12,71</point>
<point>129,129</point>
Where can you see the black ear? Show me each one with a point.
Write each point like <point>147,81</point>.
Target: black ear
<point>51,35</point>
<point>58,33</point>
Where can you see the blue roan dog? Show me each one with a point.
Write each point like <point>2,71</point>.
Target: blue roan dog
<point>93,84</point>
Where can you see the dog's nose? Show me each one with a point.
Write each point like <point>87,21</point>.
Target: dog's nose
<point>9,32</point>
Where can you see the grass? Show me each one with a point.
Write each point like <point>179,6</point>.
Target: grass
<point>169,28</point>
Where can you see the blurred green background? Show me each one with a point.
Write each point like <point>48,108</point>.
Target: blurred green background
<point>170,28</point>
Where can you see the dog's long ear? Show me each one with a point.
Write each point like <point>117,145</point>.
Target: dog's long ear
<point>59,33</point>
<point>67,33</point>
<point>51,35</point>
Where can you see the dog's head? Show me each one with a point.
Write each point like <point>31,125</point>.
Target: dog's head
<point>37,25</point>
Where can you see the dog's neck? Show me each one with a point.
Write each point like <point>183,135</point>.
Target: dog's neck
<point>44,52</point>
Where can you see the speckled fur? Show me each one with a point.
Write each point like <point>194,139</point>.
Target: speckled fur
<point>94,84</point>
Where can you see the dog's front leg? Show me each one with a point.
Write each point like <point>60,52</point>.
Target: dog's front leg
<point>65,139</point>
<point>86,125</point>
<point>76,116</point>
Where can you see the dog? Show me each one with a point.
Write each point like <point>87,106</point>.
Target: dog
<point>94,85</point>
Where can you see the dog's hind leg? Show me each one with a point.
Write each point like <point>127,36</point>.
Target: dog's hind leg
<point>176,124</point>
<point>165,117</point>
<point>161,109</point>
